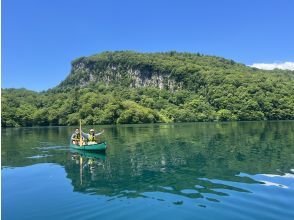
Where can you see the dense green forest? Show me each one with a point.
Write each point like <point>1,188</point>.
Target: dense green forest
<point>129,87</point>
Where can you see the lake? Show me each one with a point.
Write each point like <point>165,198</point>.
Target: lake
<point>237,170</point>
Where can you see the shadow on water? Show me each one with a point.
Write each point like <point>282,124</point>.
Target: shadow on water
<point>197,160</point>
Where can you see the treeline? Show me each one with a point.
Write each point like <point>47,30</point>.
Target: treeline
<point>209,89</point>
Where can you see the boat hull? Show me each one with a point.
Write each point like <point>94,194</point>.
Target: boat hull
<point>93,147</point>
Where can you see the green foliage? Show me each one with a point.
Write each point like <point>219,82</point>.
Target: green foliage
<point>134,113</point>
<point>225,115</point>
<point>130,87</point>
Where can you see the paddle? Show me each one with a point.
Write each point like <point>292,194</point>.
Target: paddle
<point>81,140</point>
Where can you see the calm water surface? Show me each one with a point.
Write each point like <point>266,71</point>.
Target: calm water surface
<point>177,171</point>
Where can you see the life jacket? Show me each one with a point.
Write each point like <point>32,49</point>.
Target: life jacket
<point>77,136</point>
<point>92,138</point>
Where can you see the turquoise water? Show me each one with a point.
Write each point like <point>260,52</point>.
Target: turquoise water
<point>240,170</point>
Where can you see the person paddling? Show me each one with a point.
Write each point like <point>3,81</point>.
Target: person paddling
<point>91,136</point>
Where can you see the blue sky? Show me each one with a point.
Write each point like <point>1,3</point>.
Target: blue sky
<point>41,38</point>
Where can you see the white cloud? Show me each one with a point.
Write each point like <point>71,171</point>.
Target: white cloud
<point>271,66</point>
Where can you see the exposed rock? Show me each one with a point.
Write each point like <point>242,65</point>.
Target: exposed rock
<point>85,72</point>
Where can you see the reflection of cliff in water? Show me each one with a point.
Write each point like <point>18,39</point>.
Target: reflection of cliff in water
<point>170,158</point>
<point>182,159</point>
<point>102,177</point>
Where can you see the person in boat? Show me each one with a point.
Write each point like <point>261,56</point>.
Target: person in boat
<point>92,136</point>
<point>75,137</point>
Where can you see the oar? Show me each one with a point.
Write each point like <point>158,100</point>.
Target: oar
<point>81,140</point>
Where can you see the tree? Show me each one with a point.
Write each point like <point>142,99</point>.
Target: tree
<point>225,115</point>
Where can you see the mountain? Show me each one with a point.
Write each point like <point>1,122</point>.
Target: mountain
<point>162,70</point>
<point>170,70</point>
<point>131,87</point>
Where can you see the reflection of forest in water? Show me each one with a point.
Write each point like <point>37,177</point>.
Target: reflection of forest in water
<point>171,158</point>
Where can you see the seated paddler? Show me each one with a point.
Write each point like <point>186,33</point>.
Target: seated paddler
<point>92,137</point>
<point>75,137</point>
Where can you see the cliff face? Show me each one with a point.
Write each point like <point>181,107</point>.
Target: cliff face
<point>169,70</point>
<point>85,71</point>
<point>185,88</point>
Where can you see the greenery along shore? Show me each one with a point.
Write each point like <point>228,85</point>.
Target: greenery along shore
<point>130,87</point>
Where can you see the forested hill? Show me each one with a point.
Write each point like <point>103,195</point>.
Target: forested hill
<point>171,70</point>
<point>130,87</point>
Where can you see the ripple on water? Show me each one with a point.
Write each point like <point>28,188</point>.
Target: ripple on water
<point>183,171</point>
<point>40,156</point>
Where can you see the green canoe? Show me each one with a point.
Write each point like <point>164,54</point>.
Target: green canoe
<point>93,147</point>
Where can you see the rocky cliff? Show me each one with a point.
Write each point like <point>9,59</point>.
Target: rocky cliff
<point>130,87</point>
<point>169,70</point>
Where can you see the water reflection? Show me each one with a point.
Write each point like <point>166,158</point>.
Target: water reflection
<point>96,175</point>
<point>192,161</point>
